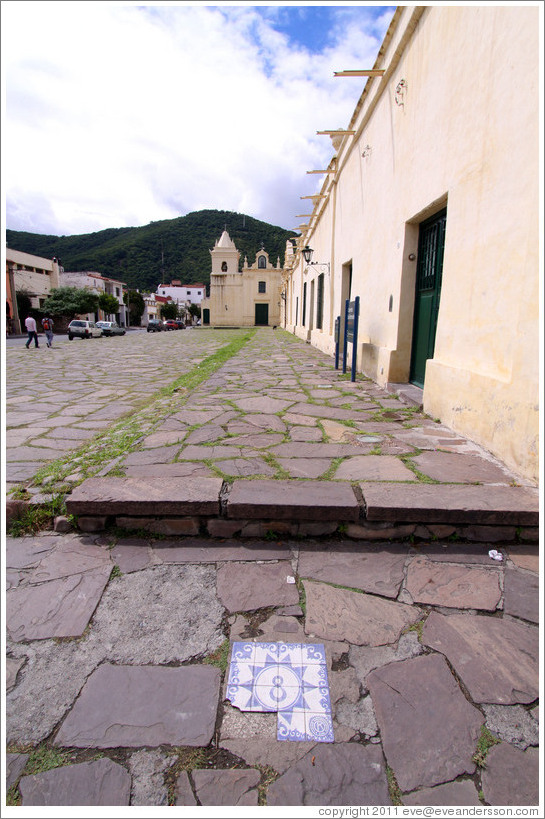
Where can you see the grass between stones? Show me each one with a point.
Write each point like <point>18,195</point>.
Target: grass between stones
<point>219,657</point>
<point>114,443</point>
<point>393,788</point>
<point>485,742</point>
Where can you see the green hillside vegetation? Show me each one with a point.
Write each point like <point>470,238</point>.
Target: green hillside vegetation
<point>134,255</point>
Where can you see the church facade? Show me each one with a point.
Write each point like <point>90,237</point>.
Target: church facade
<point>242,298</point>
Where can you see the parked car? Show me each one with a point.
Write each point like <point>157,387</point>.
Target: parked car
<point>155,326</point>
<point>170,324</point>
<point>181,324</point>
<point>78,328</point>
<point>110,328</point>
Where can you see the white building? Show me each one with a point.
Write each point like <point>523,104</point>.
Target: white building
<point>182,294</point>
<point>90,280</point>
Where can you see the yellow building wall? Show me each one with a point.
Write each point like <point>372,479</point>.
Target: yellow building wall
<point>453,123</point>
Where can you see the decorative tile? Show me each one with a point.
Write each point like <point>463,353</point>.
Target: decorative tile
<point>318,727</point>
<point>287,678</point>
<point>291,726</point>
<point>313,653</point>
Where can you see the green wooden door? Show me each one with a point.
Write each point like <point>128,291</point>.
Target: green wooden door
<point>206,315</point>
<point>431,245</point>
<point>262,315</point>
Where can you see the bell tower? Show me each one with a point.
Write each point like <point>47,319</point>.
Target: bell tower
<point>225,256</point>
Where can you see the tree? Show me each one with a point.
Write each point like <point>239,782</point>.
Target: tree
<point>195,310</point>
<point>169,310</point>
<point>108,303</point>
<point>135,302</point>
<point>70,302</point>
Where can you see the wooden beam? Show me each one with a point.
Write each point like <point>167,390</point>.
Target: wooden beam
<point>331,170</point>
<point>302,215</point>
<point>334,133</point>
<point>368,72</point>
<point>314,196</point>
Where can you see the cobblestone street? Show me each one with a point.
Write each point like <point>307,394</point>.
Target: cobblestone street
<point>120,632</point>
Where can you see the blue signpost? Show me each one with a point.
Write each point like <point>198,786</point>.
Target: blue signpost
<point>337,339</point>
<point>351,319</point>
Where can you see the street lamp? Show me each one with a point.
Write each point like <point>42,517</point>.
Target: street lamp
<point>307,256</point>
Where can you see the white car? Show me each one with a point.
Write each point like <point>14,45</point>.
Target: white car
<point>110,328</point>
<point>78,328</point>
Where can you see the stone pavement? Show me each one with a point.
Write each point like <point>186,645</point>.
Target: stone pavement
<point>117,643</point>
<point>118,677</point>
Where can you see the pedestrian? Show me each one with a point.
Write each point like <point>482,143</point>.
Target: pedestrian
<point>47,324</point>
<point>30,325</point>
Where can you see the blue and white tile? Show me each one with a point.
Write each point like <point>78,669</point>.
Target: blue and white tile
<point>266,654</point>
<point>291,726</point>
<point>317,699</point>
<point>290,653</point>
<point>318,727</point>
<point>241,674</point>
<point>313,653</point>
<point>240,697</point>
<point>243,652</point>
<point>313,674</point>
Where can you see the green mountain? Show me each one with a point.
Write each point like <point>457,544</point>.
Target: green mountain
<point>147,256</point>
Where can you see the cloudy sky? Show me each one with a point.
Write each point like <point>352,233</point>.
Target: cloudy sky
<point>119,114</point>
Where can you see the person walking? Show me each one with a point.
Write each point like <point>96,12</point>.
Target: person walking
<point>47,324</point>
<point>30,325</point>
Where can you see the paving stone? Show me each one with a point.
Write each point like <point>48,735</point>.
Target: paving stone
<point>374,468</point>
<point>254,725</point>
<point>460,587</point>
<point>361,619</point>
<point>71,556</point>
<point>460,468</point>
<point>496,659</point>
<point>176,470</point>
<point>92,523</point>
<point>131,555</point>
<point>488,534</point>
<point>334,413</point>
<point>303,500</point>
<point>57,608</point>
<point>461,792</point>
<point>12,669</point>
<point>199,551</point>
<point>250,586</point>
<point>309,529</point>
<point>345,774</point>
<point>290,611</point>
<point>343,685</point>
<point>366,659</point>
<point>524,557</point>
<point>101,782</point>
<point>306,434</point>
<point>456,552</point>
<point>521,595</point>
<point>338,433</point>
<point>25,552</point>
<point>379,531</point>
<point>305,467</point>
<point>310,450</point>
<point>259,440</point>
<point>244,468</point>
<point>266,421</point>
<point>157,455</point>
<point>174,526</point>
<point>15,765</point>
<point>264,405</point>
<point>437,503</point>
<point>291,418</point>
<point>155,496</point>
<point>162,439</point>
<point>511,776</point>
<point>429,730</point>
<point>513,724</point>
<point>374,570</point>
<point>201,452</point>
<point>278,629</point>
<point>135,706</point>
<point>205,434</point>
<point>148,770</point>
<point>226,787</point>
<point>184,791</point>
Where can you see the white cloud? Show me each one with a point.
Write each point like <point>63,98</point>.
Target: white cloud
<point>119,114</point>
